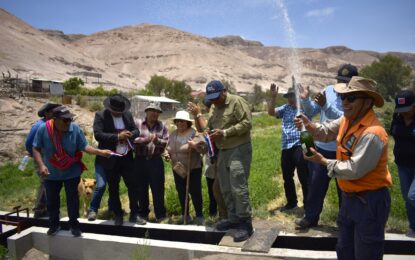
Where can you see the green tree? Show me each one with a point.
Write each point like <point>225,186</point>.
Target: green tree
<point>179,91</point>
<point>157,85</point>
<point>257,97</point>
<point>73,86</point>
<point>391,74</point>
<point>229,86</point>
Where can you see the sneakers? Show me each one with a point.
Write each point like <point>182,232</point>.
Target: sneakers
<point>303,223</point>
<point>92,216</point>
<point>76,232</point>
<point>288,207</point>
<point>200,221</point>
<point>244,231</point>
<point>136,219</point>
<point>53,230</point>
<point>118,221</point>
<point>225,225</point>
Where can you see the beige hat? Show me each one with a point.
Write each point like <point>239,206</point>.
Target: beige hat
<point>182,115</point>
<point>155,106</point>
<point>360,84</point>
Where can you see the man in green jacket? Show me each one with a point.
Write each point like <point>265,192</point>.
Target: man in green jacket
<point>230,128</point>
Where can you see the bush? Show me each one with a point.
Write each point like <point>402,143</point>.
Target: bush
<point>95,106</point>
<point>81,101</point>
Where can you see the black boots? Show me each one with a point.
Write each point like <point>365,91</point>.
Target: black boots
<point>244,231</point>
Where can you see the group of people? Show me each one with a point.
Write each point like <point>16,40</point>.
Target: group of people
<point>350,147</point>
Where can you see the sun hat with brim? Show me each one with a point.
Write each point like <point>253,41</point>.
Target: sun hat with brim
<point>290,92</point>
<point>62,112</point>
<point>48,107</point>
<point>154,106</point>
<point>182,115</point>
<point>404,101</point>
<point>360,84</point>
<point>117,103</point>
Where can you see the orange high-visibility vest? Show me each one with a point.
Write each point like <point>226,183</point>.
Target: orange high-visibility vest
<point>380,176</point>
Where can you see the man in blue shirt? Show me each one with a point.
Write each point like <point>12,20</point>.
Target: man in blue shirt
<point>45,112</point>
<point>291,154</point>
<point>330,107</point>
<point>57,150</point>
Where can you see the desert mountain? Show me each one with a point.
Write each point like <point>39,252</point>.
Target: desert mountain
<point>127,57</point>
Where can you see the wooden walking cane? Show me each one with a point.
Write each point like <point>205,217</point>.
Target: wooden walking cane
<point>186,204</point>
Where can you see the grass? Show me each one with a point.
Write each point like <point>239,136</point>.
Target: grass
<point>265,183</point>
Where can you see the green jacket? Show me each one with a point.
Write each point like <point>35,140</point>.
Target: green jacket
<point>235,118</point>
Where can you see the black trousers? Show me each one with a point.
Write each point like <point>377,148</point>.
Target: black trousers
<point>195,190</point>
<point>213,207</point>
<point>292,159</point>
<point>150,174</point>
<point>124,167</point>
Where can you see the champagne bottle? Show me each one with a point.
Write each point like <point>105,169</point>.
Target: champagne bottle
<point>307,141</point>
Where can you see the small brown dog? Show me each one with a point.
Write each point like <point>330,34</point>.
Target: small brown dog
<point>86,188</point>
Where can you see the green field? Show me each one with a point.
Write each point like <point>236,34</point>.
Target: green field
<point>265,183</point>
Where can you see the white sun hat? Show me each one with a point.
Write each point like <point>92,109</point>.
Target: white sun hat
<point>182,115</point>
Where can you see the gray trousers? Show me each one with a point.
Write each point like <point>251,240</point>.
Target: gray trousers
<point>40,203</point>
<point>233,173</point>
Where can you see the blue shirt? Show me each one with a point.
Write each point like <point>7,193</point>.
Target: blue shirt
<point>73,140</point>
<point>333,109</point>
<point>290,133</point>
<point>32,134</point>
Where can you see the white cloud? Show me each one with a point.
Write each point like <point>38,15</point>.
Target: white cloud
<point>320,13</point>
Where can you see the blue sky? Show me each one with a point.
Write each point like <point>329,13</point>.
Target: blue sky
<point>378,25</point>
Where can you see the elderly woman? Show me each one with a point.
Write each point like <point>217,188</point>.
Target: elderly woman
<point>185,147</point>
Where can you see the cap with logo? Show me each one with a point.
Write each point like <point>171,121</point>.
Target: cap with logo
<point>346,72</point>
<point>404,101</point>
<point>62,112</point>
<point>213,90</point>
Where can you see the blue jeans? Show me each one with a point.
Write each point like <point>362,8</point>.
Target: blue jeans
<point>361,221</point>
<point>407,179</point>
<point>99,189</point>
<point>53,202</point>
<point>317,188</point>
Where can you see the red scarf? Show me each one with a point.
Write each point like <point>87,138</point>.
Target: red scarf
<point>61,159</point>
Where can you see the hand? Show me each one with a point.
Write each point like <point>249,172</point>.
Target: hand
<point>167,156</point>
<point>320,98</point>
<point>139,140</point>
<point>216,134</point>
<point>316,157</point>
<point>300,120</point>
<point>274,90</point>
<point>105,153</point>
<point>192,144</point>
<point>154,138</point>
<point>43,170</point>
<point>193,108</point>
<point>304,92</point>
<point>124,135</point>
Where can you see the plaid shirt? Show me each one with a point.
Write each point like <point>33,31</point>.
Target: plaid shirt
<point>141,149</point>
<point>290,133</point>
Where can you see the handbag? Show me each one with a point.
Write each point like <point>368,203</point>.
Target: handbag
<point>180,169</point>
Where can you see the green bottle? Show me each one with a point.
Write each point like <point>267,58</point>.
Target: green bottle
<point>307,141</point>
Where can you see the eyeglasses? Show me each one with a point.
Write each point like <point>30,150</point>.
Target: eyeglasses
<point>351,98</point>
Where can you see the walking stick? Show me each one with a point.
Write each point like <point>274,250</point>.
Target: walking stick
<point>186,204</point>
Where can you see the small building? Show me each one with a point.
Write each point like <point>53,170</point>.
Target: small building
<point>54,87</point>
<point>139,103</point>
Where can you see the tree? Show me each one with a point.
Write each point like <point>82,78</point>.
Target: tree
<point>179,91</point>
<point>257,97</point>
<point>391,74</point>
<point>229,86</point>
<point>73,86</point>
<point>157,85</point>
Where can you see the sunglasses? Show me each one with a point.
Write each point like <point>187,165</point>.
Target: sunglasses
<point>351,98</point>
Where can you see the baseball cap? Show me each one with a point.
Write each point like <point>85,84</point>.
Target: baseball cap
<point>62,112</point>
<point>213,90</point>
<point>346,72</point>
<point>404,101</point>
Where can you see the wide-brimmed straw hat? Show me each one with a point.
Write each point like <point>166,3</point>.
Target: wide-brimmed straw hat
<point>361,84</point>
<point>117,103</point>
<point>182,115</point>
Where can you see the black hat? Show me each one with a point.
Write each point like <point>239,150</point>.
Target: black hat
<point>290,92</point>
<point>117,103</point>
<point>46,108</point>
<point>62,112</point>
<point>346,72</point>
<point>404,101</point>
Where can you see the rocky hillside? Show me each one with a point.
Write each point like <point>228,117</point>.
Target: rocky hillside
<point>127,57</point>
